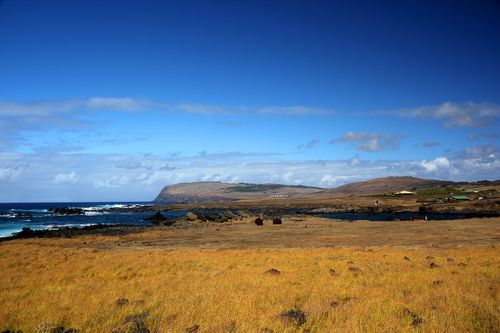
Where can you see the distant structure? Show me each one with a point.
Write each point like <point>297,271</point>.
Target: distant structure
<point>459,198</point>
<point>405,193</point>
<point>277,195</point>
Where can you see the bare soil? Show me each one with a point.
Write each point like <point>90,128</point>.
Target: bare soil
<point>305,232</point>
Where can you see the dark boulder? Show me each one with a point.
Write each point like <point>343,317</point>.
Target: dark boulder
<point>243,214</point>
<point>193,329</point>
<point>62,329</point>
<point>295,317</point>
<point>277,220</point>
<point>414,318</point>
<point>121,301</point>
<point>259,221</point>
<point>273,271</point>
<point>66,211</point>
<point>136,323</point>
<point>355,270</point>
<point>157,218</point>
<point>211,217</point>
<point>24,233</point>
<point>229,215</point>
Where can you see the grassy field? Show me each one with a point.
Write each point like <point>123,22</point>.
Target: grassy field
<point>98,284</point>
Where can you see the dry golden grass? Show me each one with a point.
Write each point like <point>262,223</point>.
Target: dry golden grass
<point>55,282</point>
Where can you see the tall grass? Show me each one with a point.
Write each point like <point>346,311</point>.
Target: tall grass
<point>49,283</point>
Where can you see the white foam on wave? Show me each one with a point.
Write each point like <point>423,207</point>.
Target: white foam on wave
<point>94,213</point>
<point>70,225</point>
<point>104,207</point>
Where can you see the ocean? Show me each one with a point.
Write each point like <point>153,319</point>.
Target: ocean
<point>15,216</point>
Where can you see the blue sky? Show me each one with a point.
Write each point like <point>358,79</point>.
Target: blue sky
<point>111,100</point>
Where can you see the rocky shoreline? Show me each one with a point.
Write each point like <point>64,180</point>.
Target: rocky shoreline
<point>231,215</point>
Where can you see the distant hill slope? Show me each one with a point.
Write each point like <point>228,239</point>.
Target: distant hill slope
<point>389,184</point>
<point>217,191</point>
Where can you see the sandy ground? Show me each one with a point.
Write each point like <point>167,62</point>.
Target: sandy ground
<point>305,232</point>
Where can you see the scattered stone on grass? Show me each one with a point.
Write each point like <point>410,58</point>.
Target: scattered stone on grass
<point>433,265</point>
<point>295,317</point>
<point>406,258</point>
<point>51,328</point>
<point>121,301</point>
<point>415,318</point>
<point>273,271</point>
<point>62,329</point>
<point>332,271</point>
<point>259,221</point>
<point>450,260</point>
<point>193,329</point>
<point>138,327</point>
<point>277,220</point>
<point>139,317</point>
<point>334,304</point>
<point>355,270</point>
<point>429,258</point>
<point>437,282</point>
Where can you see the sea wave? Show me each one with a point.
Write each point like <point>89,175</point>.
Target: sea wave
<point>94,213</point>
<point>109,206</point>
<point>68,225</point>
<point>20,210</point>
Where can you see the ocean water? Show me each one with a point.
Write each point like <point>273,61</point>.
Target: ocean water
<point>15,216</point>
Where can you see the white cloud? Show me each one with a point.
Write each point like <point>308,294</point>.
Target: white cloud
<point>355,162</point>
<point>454,114</point>
<point>101,177</point>
<point>307,146</point>
<point>296,110</point>
<point>9,174</point>
<point>328,180</point>
<point>113,181</point>
<point>371,142</point>
<point>204,109</point>
<point>435,164</point>
<point>38,108</point>
<point>431,144</point>
<point>120,104</point>
<point>66,178</point>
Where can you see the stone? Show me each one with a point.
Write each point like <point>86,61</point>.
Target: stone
<point>295,317</point>
<point>193,329</point>
<point>415,318</point>
<point>273,271</point>
<point>121,301</point>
